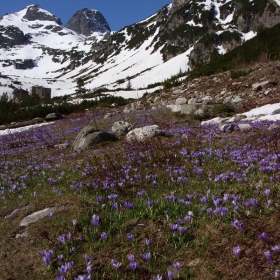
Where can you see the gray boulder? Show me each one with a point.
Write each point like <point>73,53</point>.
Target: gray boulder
<point>228,127</point>
<point>62,146</point>
<point>53,117</point>
<point>143,133</point>
<point>35,217</point>
<point>243,127</point>
<point>121,127</point>
<point>174,108</point>
<point>260,86</point>
<point>181,101</point>
<point>89,136</point>
<point>236,99</point>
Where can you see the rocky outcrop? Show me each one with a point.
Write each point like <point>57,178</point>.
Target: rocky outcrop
<point>35,12</point>
<point>87,21</point>
<point>252,17</point>
<point>11,36</point>
<point>24,64</point>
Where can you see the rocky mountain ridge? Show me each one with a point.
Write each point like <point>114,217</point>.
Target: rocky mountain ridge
<point>87,21</point>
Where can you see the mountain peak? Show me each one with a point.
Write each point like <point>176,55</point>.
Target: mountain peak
<point>87,21</point>
<point>35,12</point>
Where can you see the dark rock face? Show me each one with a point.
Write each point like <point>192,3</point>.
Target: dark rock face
<point>34,12</point>
<point>11,36</point>
<point>87,21</point>
<point>25,64</point>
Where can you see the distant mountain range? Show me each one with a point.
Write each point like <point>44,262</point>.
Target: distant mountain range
<point>36,49</point>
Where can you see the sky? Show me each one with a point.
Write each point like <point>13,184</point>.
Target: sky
<point>118,14</point>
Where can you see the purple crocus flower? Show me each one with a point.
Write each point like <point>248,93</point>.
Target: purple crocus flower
<point>141,193</point>
<point>99,199</point>
<point>115,205</point>
<point>133,266</point>
<point>277,273</point>
<point>187,219</point>
<point>203,200</point>
<point>147,256</point>
<point>62,270</point>
<point>95,220</point>
<point>86,257</point>
<point>150,202</point>
<point>148,242</point>
<point>89,268</point>
<point>131,257</point>
<point>236,251</point>
<point>47,255</point>
<point>104,236</point>
<point>128,205</point>
<point>115,264</point>
<point>66,267</point>
<point>113,196</point>
<point>130,236</point>
<point>173,227</point>
<point>177,265</point>
<point>170,274</point>
<point>267,192</point>
<point>181,229</point>
<point>276,249</point>
<point>268,256</point>
<point>238,225</point>
<point>60,257</point>
<point>170,197</point>
<point>263,237</point>
<point>210,211</point>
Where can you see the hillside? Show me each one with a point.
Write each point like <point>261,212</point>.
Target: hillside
<point>191,203</point>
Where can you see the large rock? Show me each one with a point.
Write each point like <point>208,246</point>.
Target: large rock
<point>35,217</point>
<point>143,133</point>
<point>260,86</point>
<point>181,101</point>
<point>174,108</point>
<point>229,127</point>
<point>89,136</point>
<point>53,117</point>
<point>121,127</point>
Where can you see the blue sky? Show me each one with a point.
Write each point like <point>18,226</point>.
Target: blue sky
<point>118,13</point>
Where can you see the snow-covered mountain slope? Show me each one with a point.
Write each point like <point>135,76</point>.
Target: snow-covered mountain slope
<point>178,37</point>
<point>42,35</point>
